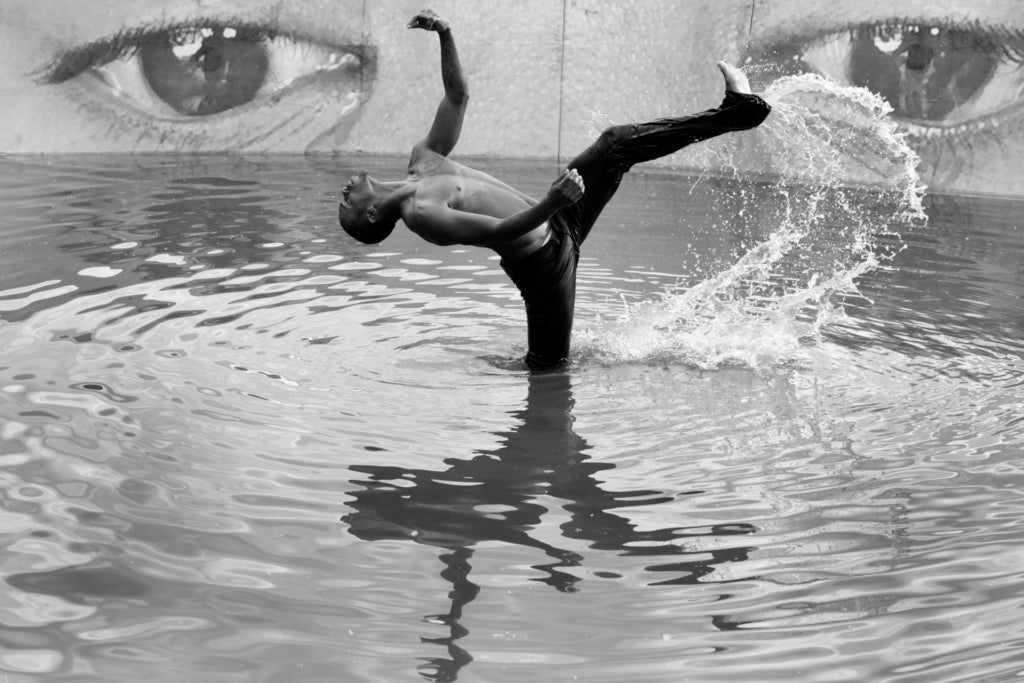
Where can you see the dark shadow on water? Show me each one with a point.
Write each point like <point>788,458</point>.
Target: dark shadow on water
<point>495,496</point>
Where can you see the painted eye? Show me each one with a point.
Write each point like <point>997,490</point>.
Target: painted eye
<point>216,85</point>
<point>199,72</point>
<point>933,76</point>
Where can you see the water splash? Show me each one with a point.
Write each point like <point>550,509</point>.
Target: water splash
<point>841,184</point>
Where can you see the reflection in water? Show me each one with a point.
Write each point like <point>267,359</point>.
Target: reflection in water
<point>495,497</point>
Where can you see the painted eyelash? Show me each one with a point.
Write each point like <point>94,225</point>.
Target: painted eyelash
<point>124,120</point>
<point>128,42</point>
<point>1008,41</point>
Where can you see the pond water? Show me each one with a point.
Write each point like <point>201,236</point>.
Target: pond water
<point>237,446</point>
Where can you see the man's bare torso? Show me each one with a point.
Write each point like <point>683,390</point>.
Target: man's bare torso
<point>443,181</point>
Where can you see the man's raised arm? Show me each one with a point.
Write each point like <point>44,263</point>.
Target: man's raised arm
<point>444,132</point>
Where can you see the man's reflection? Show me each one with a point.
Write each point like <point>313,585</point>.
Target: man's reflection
<point>495,497</point>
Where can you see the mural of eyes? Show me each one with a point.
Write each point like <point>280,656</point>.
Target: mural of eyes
<point>942,81</point>
<point>210,85</point>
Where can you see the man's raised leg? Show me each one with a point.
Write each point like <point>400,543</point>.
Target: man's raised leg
<point>620,147</point>
<point>740,110</point>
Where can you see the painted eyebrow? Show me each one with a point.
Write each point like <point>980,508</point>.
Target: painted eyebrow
<point>1009,39</point>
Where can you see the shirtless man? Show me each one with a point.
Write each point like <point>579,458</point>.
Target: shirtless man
<point>446,203</point>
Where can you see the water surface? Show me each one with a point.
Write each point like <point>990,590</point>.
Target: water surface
<point>236,445</point>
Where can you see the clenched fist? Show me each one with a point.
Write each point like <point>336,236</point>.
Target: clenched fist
<point>567,189</point>
<point>428,21</point>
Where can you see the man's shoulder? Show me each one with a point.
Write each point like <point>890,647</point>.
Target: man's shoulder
<point>429,163</point>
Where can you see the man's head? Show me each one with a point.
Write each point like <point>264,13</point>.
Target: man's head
<point>360,213</point>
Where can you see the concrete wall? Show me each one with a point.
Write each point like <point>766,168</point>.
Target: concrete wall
<point>545,74</point>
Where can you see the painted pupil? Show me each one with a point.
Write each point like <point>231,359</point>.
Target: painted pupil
<point>205,71</point>
<point>923,72</point>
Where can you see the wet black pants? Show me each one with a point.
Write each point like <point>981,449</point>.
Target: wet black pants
<point>547,277</point>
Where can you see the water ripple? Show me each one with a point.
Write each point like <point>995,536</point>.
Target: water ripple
<point>258,450</point>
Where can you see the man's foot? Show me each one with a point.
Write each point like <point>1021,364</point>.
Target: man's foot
<point>735,80</point>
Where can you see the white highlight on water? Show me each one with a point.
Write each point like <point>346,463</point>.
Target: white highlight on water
<point>842,184</point>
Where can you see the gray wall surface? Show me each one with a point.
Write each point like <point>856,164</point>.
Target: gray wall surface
<point>340,76</point>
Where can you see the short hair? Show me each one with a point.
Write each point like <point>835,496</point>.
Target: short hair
<point>354,222</point>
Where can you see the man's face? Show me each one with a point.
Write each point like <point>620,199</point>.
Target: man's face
<point>358,193</point>
<point>357,198</point>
